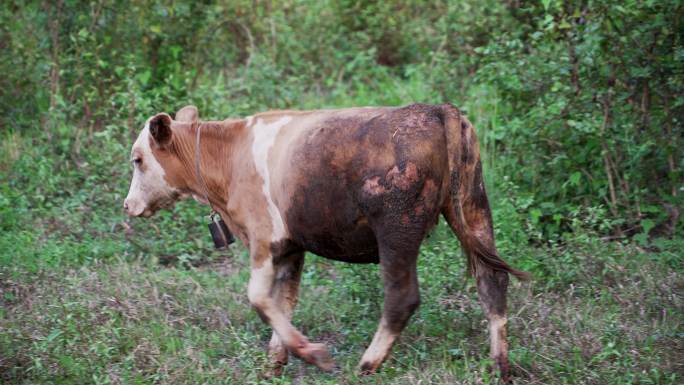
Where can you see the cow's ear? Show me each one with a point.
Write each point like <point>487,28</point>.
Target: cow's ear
<point>160,129</point>
<point>187,114</point>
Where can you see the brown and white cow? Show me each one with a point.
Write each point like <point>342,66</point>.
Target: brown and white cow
<point>361,185</point>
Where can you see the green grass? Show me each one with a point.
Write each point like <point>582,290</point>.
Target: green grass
<point>614,318</point>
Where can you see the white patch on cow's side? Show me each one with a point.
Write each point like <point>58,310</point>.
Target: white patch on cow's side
<point>250,120</point>
<point>264,138</point>
<point>149,186</point>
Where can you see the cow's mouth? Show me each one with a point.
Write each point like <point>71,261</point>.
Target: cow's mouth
<point>164,203</point>
<point>147,213</point>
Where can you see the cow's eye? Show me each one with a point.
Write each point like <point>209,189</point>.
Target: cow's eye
<point>137,161</point>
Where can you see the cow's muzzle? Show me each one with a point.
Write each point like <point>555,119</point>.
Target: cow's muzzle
<point>135,209</point>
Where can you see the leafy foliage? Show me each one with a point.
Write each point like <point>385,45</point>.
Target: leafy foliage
<point>592,93</point>
<point>577,103</point>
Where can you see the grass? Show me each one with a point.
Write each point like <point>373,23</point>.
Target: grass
<point>617,319</point>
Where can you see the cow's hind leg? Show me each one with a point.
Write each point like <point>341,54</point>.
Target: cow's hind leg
<point>491,288</point>
<point>261,289</point>
<point>398,269</point>
<point>285,294</point>
<point>469,216</point>
<point>491,275</point>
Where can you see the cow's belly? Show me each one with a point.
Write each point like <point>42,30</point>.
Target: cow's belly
<point>327,221</point>
<point>357,245</point>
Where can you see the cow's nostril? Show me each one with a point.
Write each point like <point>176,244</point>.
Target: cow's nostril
<point>126,205</point>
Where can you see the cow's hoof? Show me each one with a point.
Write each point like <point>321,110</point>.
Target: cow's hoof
<point>274,369</point>
<point>368,368</point>
<point>504,369</point>
<point>272,372</point>
<point>318,355</point>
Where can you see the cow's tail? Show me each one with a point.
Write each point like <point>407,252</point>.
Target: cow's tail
<point>467,207</point>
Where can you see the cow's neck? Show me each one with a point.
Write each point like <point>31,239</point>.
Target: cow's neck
<point>216,154</point>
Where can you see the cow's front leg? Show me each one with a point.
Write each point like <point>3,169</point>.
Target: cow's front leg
<point>288,273</point>
<point>261,292</point>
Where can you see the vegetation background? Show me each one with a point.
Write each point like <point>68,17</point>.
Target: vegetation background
<point>578,106</point>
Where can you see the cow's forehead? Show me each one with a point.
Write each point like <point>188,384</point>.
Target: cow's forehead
<point>142,144</point>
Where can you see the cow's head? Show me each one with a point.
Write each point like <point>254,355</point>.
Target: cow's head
<point>159,173</point>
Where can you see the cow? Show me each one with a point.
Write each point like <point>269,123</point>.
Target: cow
<point>359,185</point>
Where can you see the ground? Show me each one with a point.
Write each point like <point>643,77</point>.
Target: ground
<point>596,313</point>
